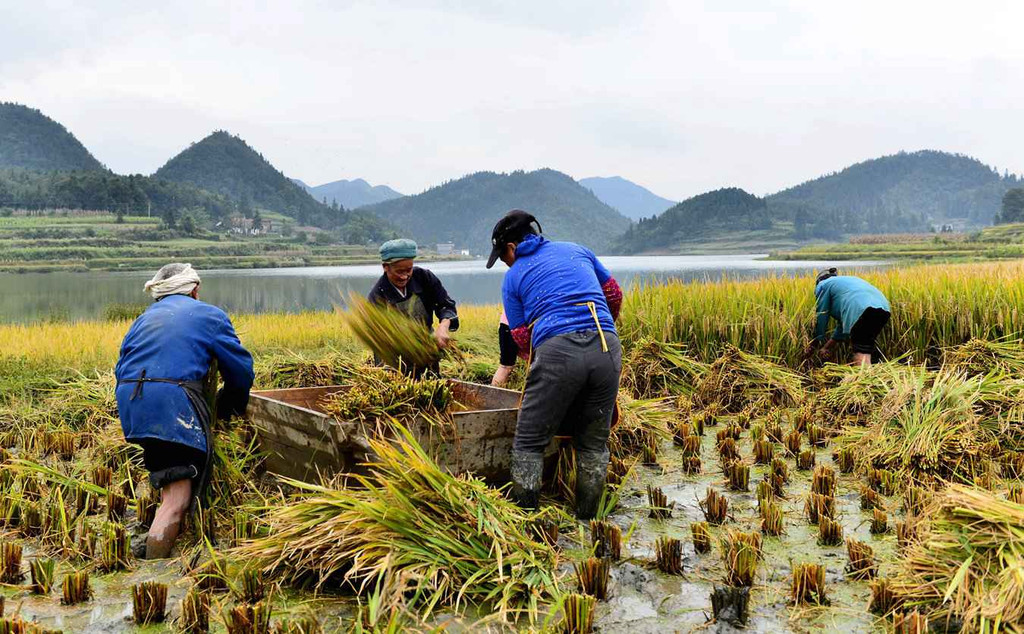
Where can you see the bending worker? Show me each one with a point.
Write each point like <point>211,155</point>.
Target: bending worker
<point>164,358</point>
<point>860,310</point>
<point>415,291</point>
<point>561,304</point>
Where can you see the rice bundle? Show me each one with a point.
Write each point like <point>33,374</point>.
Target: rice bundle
<point>980,356</point>
<point>643,423</point>
<point>967,562</point>
<point>924,431</point>
<point>856,391</point>
<point>393,336</point>
<point>375,393</point>
<point>738,380</point>
<point>654,369</point>
<point>437,539</point>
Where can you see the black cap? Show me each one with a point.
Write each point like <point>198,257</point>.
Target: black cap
<point>512,227</point>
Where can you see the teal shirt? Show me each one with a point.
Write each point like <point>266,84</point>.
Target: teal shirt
<point>844,298</point>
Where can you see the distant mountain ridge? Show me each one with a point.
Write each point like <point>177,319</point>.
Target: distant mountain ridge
<point>350,194</point>
<point>631,200</point>
<point>225,164</point>
<point>904,192</point>
<point>464,211</point>
<point>31,140</point>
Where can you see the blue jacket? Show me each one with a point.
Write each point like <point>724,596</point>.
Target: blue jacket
<point>844,298</point>
<point>549,285</point>
<point>177,338</point>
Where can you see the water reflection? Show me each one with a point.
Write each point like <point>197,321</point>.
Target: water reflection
<point>35,296</point>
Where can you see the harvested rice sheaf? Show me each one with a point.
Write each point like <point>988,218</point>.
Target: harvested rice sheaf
<point>967,562</point>
<point>452,539</point>
<point>642,425</point>
<point>980,357</point>
<point>654,369</point>
<point>737,380</point>
<point>376,393</point>
<point>393,336</point>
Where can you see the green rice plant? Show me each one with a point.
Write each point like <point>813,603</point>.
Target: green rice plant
<point>298,625</point>
<point>149,602</point>
<point>807,585</point>
<point>114,549</point>
<point>75,588</point>
<point>195,612</point>
<point>968,561</point>
<point>668,555</point>
<point>394,337</point>
<point>592,575</point>
<point>658,503</point>
<point>578,613</point>
<point>701,537</point>
<point>439,540</point>
<point>741,553</point>
<point>861,557</point>
<point>844,459</point>
<point>42,572</point>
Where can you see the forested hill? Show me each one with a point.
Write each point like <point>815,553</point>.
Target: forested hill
<point>225,164</point>
<point>29,139</point>
<point>901,192</point>
<point>351,194</point>
<point>698,219</point>
<point>464,211</point>
<point>631,200</point>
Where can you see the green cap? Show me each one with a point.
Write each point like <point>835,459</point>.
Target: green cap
<point>400,249</point>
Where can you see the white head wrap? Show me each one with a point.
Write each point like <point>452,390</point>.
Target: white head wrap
<point>180,283</point>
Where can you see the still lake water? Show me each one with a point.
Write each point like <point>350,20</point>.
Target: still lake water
<point>34,296</point>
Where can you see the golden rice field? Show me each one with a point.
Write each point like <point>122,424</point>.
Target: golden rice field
<point>809,498</point>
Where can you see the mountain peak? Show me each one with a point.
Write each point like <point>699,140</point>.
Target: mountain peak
<point>29,139</point>
<point>632,200</point>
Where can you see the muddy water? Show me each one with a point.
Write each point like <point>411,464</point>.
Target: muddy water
<point>645,600</point>
<point>642,599</point>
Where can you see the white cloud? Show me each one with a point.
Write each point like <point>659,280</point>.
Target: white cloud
<point>679,96</point>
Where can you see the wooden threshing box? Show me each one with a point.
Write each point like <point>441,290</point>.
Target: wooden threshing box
<point>302,442</point>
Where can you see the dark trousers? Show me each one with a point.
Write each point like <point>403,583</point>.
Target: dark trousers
<point>571,388</point>
<point>866,330</point>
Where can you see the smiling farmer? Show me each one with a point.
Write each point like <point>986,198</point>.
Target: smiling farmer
<point>165,356</point>
<point>415,291</point>
<point>561,301</point>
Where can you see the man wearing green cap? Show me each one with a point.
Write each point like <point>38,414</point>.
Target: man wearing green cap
<point>415,291</point>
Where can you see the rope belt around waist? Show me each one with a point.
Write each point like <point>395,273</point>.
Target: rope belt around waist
<point>597,322</point>
<point>188,386</point>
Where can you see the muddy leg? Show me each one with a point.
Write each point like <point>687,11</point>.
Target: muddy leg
<point>174,502</point>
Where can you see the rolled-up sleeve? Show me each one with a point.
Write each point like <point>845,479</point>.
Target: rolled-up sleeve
<point>235,364</point>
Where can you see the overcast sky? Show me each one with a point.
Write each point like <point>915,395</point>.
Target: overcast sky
<point>682,97</point>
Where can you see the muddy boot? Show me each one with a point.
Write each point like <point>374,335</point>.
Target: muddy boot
<point>591,470</point>
<point>527,468</point>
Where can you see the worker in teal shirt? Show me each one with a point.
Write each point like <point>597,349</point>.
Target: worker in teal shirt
<point>860,310</point>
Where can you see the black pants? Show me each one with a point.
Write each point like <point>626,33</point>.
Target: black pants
<point>865,331</point>
<point>169,462</point>
<point>571,388</point>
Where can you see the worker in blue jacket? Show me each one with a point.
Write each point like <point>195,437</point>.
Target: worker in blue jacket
<point>860,310</point>
<point>561,304</point>
<point>164,358</point>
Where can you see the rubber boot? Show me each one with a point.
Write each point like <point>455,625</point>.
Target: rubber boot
<point>591,471</point>
<point>527,468</point>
